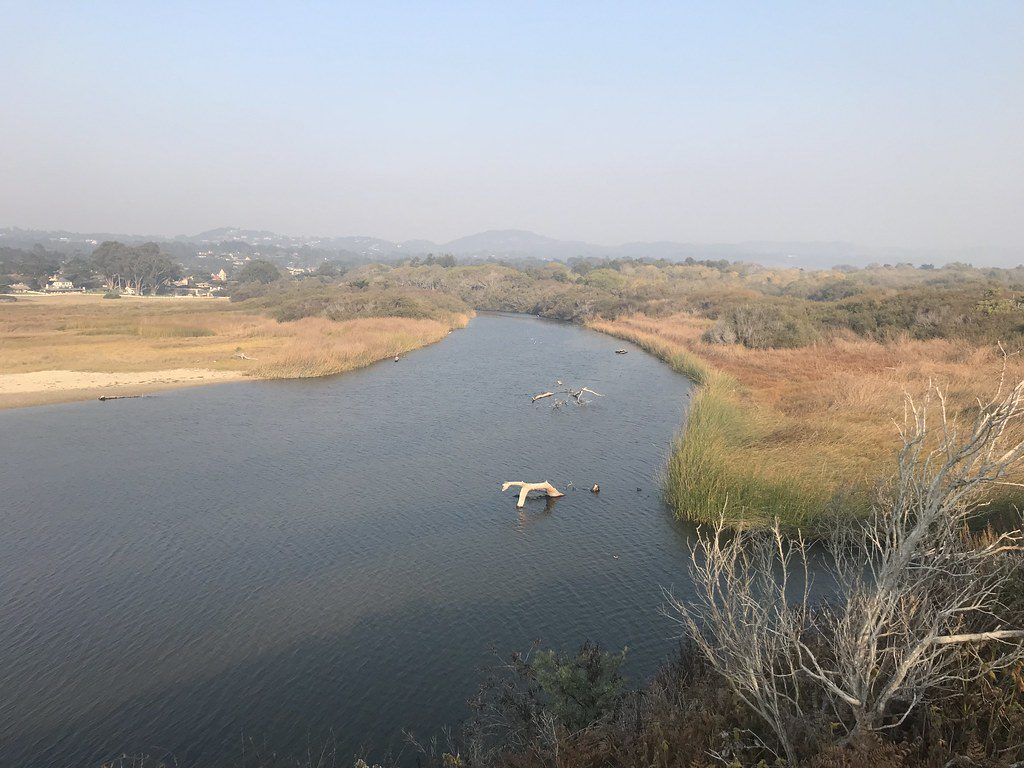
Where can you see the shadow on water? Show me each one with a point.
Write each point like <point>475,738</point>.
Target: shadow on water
<point>327,560</point>
<point>262,702</point>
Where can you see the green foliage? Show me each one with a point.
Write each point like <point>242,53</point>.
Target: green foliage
<point>568,691</point>
<point>80,271</point>
<point>259,271</point>
<point>582,688</point>
<point>32,267</point>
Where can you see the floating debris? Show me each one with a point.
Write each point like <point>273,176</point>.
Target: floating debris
<point>596,488</point>
<point>621,351</point>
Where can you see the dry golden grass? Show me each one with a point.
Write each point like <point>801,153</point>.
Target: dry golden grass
<point>148,335</point>
<point>795,433</point>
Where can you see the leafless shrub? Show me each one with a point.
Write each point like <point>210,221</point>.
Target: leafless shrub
<point>919,607</point>
<point>746,622</point>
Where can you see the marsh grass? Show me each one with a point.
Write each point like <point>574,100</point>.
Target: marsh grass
<point>164,331</point>
<point>320,347</point>
<point>797,434</point>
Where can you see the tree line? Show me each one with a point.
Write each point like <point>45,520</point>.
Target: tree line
<point>144,268</point>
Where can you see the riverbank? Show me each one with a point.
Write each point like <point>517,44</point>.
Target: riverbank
<point>81,346</point>
<point>796,434</point>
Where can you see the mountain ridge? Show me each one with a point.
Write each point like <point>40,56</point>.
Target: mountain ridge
<point>521,243</point>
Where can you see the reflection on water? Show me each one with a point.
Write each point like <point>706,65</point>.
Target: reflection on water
<point>326,560</point>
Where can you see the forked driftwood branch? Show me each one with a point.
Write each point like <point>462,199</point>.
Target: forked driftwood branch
<point>525,488</point>
<point>578,394</point>
<point>575,394</point>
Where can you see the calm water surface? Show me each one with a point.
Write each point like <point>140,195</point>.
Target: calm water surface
<point>331,560</point>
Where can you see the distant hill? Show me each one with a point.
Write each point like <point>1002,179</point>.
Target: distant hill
<point>518,243</point>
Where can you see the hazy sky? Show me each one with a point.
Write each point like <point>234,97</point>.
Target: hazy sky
<point>888,123</point>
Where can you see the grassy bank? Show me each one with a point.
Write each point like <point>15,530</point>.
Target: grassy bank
<point>74,347</point>
<point>795,433</point>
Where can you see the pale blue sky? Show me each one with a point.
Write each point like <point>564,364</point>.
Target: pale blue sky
<point>885,124</point>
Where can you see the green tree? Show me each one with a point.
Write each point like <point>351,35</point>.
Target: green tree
<point>111,260</point>
<point>79,270</point>
<point>259,271</point>
<point>38,265</point>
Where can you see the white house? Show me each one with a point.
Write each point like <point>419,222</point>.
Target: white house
<point>59,285</point>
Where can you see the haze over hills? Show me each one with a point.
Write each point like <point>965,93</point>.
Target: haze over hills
<point>517,243</point>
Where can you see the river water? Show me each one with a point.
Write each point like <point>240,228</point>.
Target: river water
<point>284,565</point>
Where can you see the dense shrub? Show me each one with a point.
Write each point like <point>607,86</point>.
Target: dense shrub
<point>761,327</point>
<point>344,301</point>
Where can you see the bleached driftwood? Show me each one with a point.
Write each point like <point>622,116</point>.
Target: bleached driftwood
<point>525,488</point>
<point>541,396</point>
<point>578,394</point>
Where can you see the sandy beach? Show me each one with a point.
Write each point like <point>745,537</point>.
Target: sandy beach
<point>41,387</point>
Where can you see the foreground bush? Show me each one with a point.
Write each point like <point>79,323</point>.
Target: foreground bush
<point>921,608</point>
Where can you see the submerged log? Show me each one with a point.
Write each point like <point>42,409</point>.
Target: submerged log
<point>525,488</point>
<point>104,398</point>
<point>541,396</point>
<point>621,351</point>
